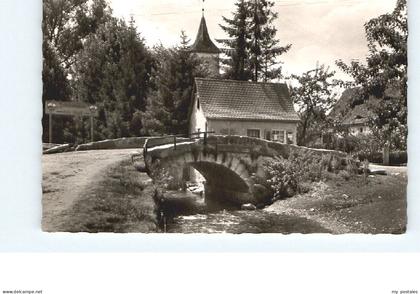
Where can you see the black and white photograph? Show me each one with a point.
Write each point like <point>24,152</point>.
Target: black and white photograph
<point>224,117</point>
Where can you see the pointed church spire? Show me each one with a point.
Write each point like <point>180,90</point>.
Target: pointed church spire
<point>203,43</point>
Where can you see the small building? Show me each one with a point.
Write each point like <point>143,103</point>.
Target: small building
<point>228,107</point>
<point>355,118</point>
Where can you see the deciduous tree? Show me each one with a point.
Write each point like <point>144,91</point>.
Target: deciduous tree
<point>313,94</point>
<point>384,75</point>
<point>65,26</point>
<point>113,71</point>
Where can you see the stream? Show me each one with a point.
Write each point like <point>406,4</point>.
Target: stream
<point>185,212</point>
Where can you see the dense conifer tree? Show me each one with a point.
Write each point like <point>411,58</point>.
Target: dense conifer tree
<point>253,48</point>
<point>236,66</point>
<point>168,107</point>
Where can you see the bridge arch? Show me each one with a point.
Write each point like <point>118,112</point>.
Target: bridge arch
<point>227,176</point>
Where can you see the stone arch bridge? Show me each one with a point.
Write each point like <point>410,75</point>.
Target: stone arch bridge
<point>233,166</point>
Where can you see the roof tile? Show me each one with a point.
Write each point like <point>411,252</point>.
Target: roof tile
<point>229,99</point>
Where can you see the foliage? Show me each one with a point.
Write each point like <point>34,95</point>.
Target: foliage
<point>253,48</point>
<point>288,176</point>
<point>365,147</point>
<point>236,66</point>
<point>264,46</point>
<point>398,157</point>
<point>283,177</point>
<point>113,72</point>
<point>395,157</point>
<point>168,106</point>
<point>91,56</point>
<point>385,75</point>
<point>313,94</point>
<point>362,143</point>
<point>65,26</point>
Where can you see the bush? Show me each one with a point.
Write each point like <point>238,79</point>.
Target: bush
<point>395,157</point>
<point>398,157</point>
<point>282,177</point>
<point>375,157</point>
<point>286,177</point>
<point>345,175</point>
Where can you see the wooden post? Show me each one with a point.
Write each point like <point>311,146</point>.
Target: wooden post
<point>91,128</point>
<point>50,128</point>
<point>174,142</point>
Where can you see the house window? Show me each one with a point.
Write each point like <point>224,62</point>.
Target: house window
<point>361,130</point>
<point>289,138</point>
<point>253,133</point>
<point>277,136</point>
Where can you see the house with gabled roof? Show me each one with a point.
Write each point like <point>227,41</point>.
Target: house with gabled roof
<point>353,117</point>
<point>229,107</point>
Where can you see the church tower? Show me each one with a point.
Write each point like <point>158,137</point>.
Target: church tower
<point>205,49</point>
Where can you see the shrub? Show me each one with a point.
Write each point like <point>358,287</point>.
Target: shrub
<point>395,157</point>
<point>375,157</point>
<point>335,164</point>
<point>166,178</point>
<point>286,177</point>
<point>345,175</point>
<point>398,157</point>
<point>282,177</point>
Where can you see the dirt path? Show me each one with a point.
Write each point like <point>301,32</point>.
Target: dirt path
<point>67,175</point>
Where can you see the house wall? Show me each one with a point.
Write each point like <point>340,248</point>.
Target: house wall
<point>360,130</point>
<point>197,120</point>
<point>232,127</point>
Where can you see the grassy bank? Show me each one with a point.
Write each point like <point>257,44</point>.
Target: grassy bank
<point>376,205</point>
<point>123,202</point>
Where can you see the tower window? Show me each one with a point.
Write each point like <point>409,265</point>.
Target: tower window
<point>198,103</point>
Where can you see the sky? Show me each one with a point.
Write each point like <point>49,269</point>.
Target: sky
<point>320,31</point>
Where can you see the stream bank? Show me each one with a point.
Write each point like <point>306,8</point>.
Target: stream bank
<point>376,205</point>
<point>187,212</point>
